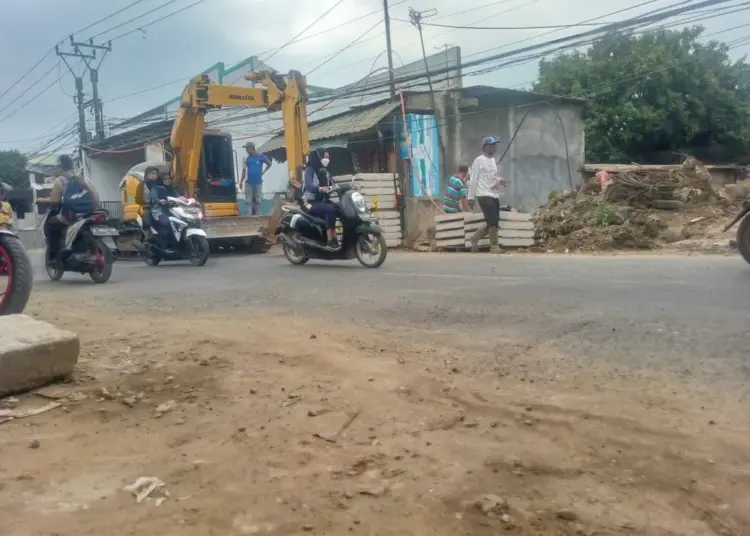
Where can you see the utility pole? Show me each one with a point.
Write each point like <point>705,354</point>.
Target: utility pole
<point>88,59</point>
<point>416,18</point>
<point>389,47</point>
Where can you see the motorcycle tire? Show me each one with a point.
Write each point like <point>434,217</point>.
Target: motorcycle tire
<point>54,272</point>
<point>14,298</point>
<point>743,238</point>
<point>292,256</point>
<point>360,252</point>
<point>199,250</point>
<point>103,276</point>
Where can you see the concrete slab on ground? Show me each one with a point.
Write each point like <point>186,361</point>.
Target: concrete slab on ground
<point>34,353</point>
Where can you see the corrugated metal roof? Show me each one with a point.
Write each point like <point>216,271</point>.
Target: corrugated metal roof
<point>351,122</point>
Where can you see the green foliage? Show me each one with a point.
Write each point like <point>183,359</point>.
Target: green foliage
<point>604,214</point>
<point>554,194</point>
<point>655,92</point>
<point>13,168</point>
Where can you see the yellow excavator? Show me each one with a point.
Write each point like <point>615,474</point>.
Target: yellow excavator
<point>202,159</point>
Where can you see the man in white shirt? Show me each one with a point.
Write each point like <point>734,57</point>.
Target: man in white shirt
<point>485,189</point>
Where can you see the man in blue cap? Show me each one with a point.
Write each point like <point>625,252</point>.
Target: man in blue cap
<point>485,189</point>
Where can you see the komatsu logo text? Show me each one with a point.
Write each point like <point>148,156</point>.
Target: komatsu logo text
<point>241,97</point>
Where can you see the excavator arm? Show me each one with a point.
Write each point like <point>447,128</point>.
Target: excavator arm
<point>287,94</point>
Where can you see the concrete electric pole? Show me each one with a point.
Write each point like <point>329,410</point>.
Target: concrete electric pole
<point>389,47</point>
<point>88,58</point>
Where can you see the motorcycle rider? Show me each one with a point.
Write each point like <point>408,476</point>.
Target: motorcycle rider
<point>71,196</point>
<point>162,189</point>
<point>314,199</point>
<point>150,178</point>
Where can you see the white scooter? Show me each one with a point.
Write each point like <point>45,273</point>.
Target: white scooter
<point>190,241</point>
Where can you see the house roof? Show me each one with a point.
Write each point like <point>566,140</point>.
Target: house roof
<point>133,139</point>
<point>349,122</point>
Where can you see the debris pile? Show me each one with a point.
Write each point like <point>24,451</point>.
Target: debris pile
<point>634,209</point>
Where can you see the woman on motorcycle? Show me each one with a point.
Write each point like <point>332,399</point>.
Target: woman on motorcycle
<point>160,191</point>
<point>314,199</point>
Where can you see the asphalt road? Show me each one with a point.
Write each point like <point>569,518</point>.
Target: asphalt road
<point>686,315</point>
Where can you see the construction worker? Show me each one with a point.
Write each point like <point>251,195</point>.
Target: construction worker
<point>484,187</point>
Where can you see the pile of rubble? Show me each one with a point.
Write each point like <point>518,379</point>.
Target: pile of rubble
<point>636,209</point>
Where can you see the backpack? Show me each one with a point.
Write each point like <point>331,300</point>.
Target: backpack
<point>76,197</point>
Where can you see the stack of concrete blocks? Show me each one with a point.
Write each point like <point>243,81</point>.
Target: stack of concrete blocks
<point>516,230</point>
<point>449,231</point>
<point>380,193</point>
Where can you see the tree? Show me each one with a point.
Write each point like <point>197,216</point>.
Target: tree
<point>13,168</point>
<point>658,92</point>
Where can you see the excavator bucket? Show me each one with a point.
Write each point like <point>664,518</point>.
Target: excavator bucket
<point>241,233</point>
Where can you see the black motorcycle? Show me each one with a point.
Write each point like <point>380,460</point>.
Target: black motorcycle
<point>304,236</point>
<point>743,231</point>
<point>88,248</point>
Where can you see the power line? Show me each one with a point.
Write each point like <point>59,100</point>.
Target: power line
<point>24,105</point>
<point>157,8</point>
<point>336,54</point>
<point>313,23</point>
<point>52,50</point>
<point>136,2</point>
<point>456,27</point>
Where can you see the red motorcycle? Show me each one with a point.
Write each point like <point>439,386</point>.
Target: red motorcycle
<point>16,277</point>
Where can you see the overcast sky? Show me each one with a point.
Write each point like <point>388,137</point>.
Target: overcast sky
<point>230,30</point>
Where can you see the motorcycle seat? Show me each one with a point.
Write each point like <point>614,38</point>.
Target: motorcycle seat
<point>307,215</point>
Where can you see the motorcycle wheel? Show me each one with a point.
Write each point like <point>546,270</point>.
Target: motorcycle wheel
<point>292,256</point>
<point>743,238</point>
<point>16,267</point>
<point>150,258</point>
<point>102,271</point>
<point>363,250</point>
<point>54,271</point>
<point>199,250</point>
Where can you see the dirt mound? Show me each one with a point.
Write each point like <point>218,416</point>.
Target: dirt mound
<point>635,209</point>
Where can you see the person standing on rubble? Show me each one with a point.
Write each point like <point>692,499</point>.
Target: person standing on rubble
<point>484,187</point>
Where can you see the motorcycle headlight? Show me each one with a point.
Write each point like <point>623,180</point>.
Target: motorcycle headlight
<point>359,202</point>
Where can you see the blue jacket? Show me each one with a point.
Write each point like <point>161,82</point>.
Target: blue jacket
<point>311,187</point>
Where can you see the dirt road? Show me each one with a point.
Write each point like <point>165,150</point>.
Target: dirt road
<point>352,426</point>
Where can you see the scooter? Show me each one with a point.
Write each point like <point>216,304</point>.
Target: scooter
<point>304,236</point>
<point>89,248</point>
<point>185,216</point>
<point>16,277</point>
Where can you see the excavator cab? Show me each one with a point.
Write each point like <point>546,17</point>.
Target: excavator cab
<point>216,187</point>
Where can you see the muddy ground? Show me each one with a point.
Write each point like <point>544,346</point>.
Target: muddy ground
<point>361,430</point>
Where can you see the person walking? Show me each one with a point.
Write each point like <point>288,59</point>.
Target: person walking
<point>254,166</point>
<point>484,187</point>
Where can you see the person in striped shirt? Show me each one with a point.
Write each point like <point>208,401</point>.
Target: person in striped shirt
<point>454,199</point>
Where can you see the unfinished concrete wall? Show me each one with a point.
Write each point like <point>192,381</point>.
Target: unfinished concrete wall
<point>547,154</point>
<point>536,162</point>
<point>106,170</point>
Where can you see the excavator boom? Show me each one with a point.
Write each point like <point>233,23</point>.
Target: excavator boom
<point>287,94</point>
<point>283,93</point>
